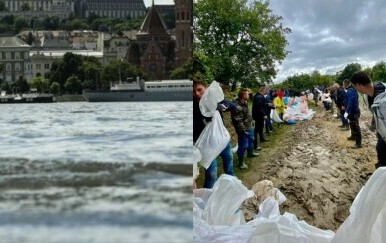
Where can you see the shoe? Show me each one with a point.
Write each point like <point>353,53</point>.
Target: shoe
<point>252,154</point>
<point>351,138</point>
<point>356,146</point>
<point>345,129</point>
<point>243,166</point>
<point>258,148</point>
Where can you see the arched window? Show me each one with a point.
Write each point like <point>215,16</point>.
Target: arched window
<point>182,16</point>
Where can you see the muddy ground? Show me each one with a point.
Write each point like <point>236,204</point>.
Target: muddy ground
<point>312,164</point>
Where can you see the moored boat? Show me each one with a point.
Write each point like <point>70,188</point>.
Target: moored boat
<point>139,90</point>
<point>32,97</point>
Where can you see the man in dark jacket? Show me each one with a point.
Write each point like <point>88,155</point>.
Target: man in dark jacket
<point>340,98</point>
<point>352,113</point>
<point>259,114</point>
<point>242,122</point>
<point>362,82</point>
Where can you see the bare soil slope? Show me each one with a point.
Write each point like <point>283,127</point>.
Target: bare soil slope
<point>315,168</point>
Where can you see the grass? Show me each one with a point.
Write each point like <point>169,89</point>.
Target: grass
<point>267,152</point>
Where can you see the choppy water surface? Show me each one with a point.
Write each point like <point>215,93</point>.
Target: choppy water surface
<point>96,172</point>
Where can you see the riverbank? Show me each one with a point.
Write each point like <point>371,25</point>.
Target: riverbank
<point>312,164</point>
<point>69,98</point>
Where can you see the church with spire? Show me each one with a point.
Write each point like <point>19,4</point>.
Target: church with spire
<point>157,51</point>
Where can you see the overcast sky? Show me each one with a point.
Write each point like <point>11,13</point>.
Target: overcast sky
<point>158,2</point>
<point>329,34</point>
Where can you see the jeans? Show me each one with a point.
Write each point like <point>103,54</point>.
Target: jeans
<point>243,142</point>
<point>211,172</point>
<point>344,120</point>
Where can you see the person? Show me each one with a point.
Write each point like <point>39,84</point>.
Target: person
<point>352,113</point>
<point>326,100</point>
<point>199,122</point>
<point>316,95</point>
<point>362,82</point>
<point>269,107</point>
<point>259,114</point>
<point>279,105</point>
<point>242,122</point>
<point>340,99</point>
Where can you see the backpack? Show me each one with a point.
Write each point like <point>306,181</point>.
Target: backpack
<point>379,111</point>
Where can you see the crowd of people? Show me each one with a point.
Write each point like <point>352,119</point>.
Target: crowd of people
<point>250,124</point>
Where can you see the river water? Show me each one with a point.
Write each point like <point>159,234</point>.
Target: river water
<point>96,172</point>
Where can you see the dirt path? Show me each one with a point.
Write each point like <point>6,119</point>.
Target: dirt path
<point>315,168</point>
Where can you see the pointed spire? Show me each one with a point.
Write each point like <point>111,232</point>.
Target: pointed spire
<point>152,4</point>
<point>153,23</point>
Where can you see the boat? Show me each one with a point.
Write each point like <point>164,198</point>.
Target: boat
<point>32,97</point>
<point>139,90</point>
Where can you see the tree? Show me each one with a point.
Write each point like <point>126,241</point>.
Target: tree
<point>119,70</point>
<point>183,72</point>
<point>2,6</point>
<point>348,71</point>
<point>379,72</point>
<point>55,88</point>
<point>73,85</point>
<point>40,84</point>
<point>25,7</point>
<point>21,85</point>
<point>20,24</point>
<point>242,39</point>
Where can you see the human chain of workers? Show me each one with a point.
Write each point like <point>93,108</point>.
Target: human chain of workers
<point>344,97</point>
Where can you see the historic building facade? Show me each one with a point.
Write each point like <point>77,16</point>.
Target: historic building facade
<point>155,50</point>
<point>14,57</point>
<point>122,9</point>
<point>39,8</point>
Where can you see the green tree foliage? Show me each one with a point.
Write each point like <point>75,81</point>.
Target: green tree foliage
<point>21,85</point>
<point>242,39</point>
<point>73,85</point>
<point>2,6</point>
<point>20,24</point>
<point>183,72</point>
<point>76,24</point>
<point>42,85</point>
<point>201,70</point>
<point>6,87</point>
<point>347,72</point>
<point>302,82</point>
<point>118,70</point>
<point>51,23</point>
<point>25,7</point>
<point>55,88</point>
<point>378,72</point>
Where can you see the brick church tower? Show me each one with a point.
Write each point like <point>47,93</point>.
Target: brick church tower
<point>156,51</point>
<point>183,31</point>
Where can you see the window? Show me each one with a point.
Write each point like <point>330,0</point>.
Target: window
<point>8,67</point>
<point>8,55</point>
<point>38,66</point>
<point>17,67</point>
<point>17,55</point>
<point>47,66</point>
<point>182,16</point>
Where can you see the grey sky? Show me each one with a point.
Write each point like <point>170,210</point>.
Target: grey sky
<point>329,34</point>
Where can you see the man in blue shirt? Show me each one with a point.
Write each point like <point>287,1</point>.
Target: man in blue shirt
<point>352,113</point>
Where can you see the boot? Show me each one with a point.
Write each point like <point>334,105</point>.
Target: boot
<point>251,153</point>
<point>351,138</point>
<point>242,166</point>
<point>346,128</point>
<point>358,141</point>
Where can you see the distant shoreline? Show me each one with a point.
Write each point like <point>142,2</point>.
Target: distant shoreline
<point>69,98</point>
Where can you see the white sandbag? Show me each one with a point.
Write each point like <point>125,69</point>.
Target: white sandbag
<point>367,219</point>
<point>212,140</point>
<point>287,229</point>
<point>223,205</point>
<point>209,100</point>
<point>275,117</point>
